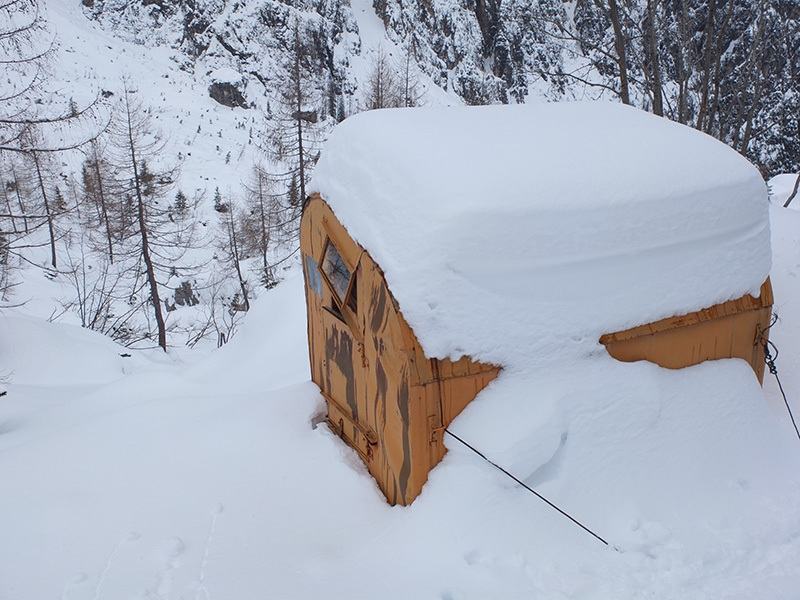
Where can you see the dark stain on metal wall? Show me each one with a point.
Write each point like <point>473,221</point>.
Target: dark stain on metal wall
<point>382,386</point>
<point>403,405</point>
<point>339,350</point>
<point>378,306</point>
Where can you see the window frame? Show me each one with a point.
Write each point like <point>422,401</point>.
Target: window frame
<point>341,308</point>
<point>339,300</point>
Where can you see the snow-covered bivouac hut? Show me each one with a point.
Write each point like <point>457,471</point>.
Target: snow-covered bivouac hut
<point>445,249</point>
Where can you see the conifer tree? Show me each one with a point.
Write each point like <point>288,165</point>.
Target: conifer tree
<point>295,135</point>
<point>102,192</point>
<point>231,247</point>
<point>384,88</point>
<point>153,240</point>
<point>265,223</point>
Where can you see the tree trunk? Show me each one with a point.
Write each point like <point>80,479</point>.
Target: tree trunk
<point>235,254</point>
<point>619,46</point>
<point>19,198</point>
<point>793,194</point>
<point>148,262</point>
<point>710,41</point>
<point>265,233</point>
<point>150,270</point>
<point>682,63</point>
<point>755,81</point>
<point>651,48</point>
<point>47,211</point>
<point>8,204</point>
<point>298,88</point>
<point>715,107</point>
<point>102,197</point>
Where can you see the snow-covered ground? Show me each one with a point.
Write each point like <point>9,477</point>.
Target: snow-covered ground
<point>140,476</point>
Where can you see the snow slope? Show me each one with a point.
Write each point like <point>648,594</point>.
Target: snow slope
<point>135,477</point>
<point>213,146</point>
<point>145,477</point>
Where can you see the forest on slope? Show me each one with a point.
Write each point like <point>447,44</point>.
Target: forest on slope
<point>730,68</point>
<point>95,195</point>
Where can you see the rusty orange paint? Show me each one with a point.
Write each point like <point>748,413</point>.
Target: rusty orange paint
<point>391,403</point>
<point>385,398</point>
<point>734,329</point>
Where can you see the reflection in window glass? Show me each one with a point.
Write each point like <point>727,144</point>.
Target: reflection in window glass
<point>336,271</point>
<point>314,279</point>
<point>352,299</point>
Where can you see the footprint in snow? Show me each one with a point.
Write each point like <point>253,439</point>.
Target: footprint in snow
<point>171,548</point>
<point>72,582</point>
<point>168,555</point>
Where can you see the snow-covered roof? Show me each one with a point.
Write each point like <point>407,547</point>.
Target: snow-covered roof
<point>508,227</point>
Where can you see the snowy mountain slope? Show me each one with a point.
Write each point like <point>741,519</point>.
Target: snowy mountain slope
<point>174,51</point>
<point>209,143</point>
<point>213,147</point>
<point>487,52</point>
<point>143,477</point>
<point>255,40</point>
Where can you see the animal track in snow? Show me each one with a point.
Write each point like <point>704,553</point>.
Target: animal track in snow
<point>131,537</point>
<point>74,580</point>
<point>201,578</point>
<point>169,553</point>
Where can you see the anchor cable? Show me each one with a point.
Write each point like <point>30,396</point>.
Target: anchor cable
<point>770,361</point>
<point>527,487</point>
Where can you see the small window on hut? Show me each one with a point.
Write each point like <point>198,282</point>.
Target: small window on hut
<point>352,298</point>
<point>312,272</point>
<point>336,271</point>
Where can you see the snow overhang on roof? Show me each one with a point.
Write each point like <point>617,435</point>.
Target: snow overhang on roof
<point>502,229</point>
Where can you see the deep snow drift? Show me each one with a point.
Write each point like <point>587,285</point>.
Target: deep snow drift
<point>140,477</point>
<point>134,478</point>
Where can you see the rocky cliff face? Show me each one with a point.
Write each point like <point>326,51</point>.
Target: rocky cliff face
<point>486,51</point>
<point>483,50</point>
<point>728,68</point>
<point>255,39</point>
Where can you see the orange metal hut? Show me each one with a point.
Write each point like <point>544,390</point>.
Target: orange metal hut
<point>391,403</point>
<point>385,397</point>
<point>733,329</point>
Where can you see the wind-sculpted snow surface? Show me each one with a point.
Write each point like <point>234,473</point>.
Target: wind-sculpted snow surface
<point>152,479</point>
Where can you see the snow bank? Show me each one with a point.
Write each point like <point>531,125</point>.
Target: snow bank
<point>140,477</point>
<point>206,481</point>
<point>536,223</point>
<point>35,351</point>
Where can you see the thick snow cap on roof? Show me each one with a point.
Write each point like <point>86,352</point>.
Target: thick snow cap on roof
<point>508,231</point>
